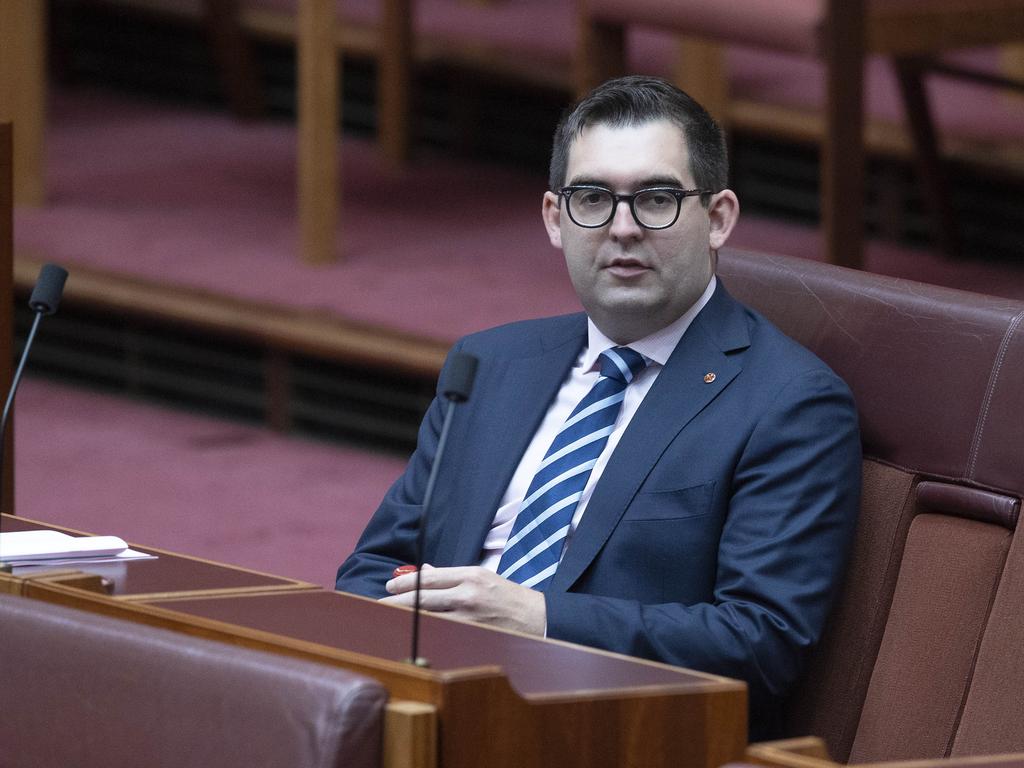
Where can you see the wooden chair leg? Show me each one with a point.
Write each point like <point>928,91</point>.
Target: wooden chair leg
<point>394,82</point>
<point>700,71</point>
<point>842,153</point>
<point>935,186</point>
<point>235,60</point>
<point>600,52</point>
<point>23,93</point>
<point>319,111</point>
<point>1012,64</point>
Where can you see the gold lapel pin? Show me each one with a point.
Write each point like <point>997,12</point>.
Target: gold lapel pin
<point>709,377</point>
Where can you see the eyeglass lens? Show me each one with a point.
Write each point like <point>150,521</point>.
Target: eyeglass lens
<point>596,207</point>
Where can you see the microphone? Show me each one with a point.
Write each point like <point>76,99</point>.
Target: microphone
<point>44,300</point>
<point>455,388</point>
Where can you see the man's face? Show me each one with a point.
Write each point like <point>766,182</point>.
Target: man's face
<point>634,281</point>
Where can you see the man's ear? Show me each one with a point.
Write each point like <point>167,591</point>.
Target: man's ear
<point>552,214</point>
<point>723,212</point>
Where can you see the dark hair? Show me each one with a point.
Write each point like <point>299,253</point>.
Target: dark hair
<point>635,100</point>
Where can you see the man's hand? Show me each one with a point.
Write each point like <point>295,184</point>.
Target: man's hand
<point>472,593</point>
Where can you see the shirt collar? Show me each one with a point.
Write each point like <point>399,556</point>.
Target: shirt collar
<point>658,346</point>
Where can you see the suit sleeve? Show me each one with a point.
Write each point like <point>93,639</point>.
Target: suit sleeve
<point>389,539</point>
<point>792,509</point>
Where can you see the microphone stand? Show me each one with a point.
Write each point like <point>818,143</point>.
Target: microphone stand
<point>14,387</point>
<point>456,389</point>
<point>44,300</point>
<point>421,538</point>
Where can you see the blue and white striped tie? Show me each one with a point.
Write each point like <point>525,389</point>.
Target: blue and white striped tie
<point>534,547</point>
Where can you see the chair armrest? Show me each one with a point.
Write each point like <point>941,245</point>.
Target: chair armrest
<point>803,752</point>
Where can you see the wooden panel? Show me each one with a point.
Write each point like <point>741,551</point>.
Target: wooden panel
<point>6,308</point>
<point>505,700</point>
<point>23,92</point>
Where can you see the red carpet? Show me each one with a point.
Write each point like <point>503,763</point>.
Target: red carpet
<point>211,488</point>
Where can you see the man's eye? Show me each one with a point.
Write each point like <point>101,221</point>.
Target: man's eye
<point>593,198</point>
<point>658,199</point>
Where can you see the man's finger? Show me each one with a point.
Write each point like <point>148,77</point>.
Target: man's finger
<point>430,578</point>
<point>433,600</point>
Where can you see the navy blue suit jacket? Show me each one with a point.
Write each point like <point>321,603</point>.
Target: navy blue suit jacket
<point>716,536</point>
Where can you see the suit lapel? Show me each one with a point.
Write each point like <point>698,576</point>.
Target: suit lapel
<point>516,399</point>
<point>680,393</point>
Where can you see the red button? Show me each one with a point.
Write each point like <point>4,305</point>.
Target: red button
<point>403,569</point>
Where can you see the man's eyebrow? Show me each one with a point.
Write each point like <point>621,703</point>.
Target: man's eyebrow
<point>653,181</point>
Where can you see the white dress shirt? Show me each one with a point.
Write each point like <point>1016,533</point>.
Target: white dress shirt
<point>656,348</point>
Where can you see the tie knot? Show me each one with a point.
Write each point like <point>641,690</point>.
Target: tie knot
<point>621,364</point>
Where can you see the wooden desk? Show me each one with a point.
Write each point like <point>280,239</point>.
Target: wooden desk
<point>503,699</point>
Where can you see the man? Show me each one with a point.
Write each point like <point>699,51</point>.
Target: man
<point>667,476</point>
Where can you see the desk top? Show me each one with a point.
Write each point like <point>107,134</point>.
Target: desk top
<point>536,668</point>
<point>169,575</point>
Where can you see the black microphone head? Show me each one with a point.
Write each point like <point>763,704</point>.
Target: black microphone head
<point>459,375</point>
<point>46,295</point>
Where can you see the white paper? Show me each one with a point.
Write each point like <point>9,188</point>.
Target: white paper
<point>121,557</point>
<point>56,548</point>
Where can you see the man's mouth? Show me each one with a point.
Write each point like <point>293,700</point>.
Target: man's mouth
<point>626,267</point>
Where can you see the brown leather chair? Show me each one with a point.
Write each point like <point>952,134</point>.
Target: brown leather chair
<point>921,657</point>
<point>80,689</point>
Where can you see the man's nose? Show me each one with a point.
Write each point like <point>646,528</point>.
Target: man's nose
<point>624,226</point>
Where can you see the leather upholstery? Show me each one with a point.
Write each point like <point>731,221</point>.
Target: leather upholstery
<point>935,372</point>
<point>921,657</point>
<point>85,690</point>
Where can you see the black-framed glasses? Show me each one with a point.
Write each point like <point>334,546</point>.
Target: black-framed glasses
<point>652,208</point>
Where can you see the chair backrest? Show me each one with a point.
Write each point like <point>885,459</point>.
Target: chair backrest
<point>936,571</point>
<point>87,690</point>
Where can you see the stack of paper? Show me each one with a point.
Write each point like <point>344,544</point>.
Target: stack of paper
<point>56,548</point>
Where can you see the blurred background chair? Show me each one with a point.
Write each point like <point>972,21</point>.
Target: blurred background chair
<point>841,33</point>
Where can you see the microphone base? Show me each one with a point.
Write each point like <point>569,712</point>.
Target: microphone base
<point>419,662</point>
